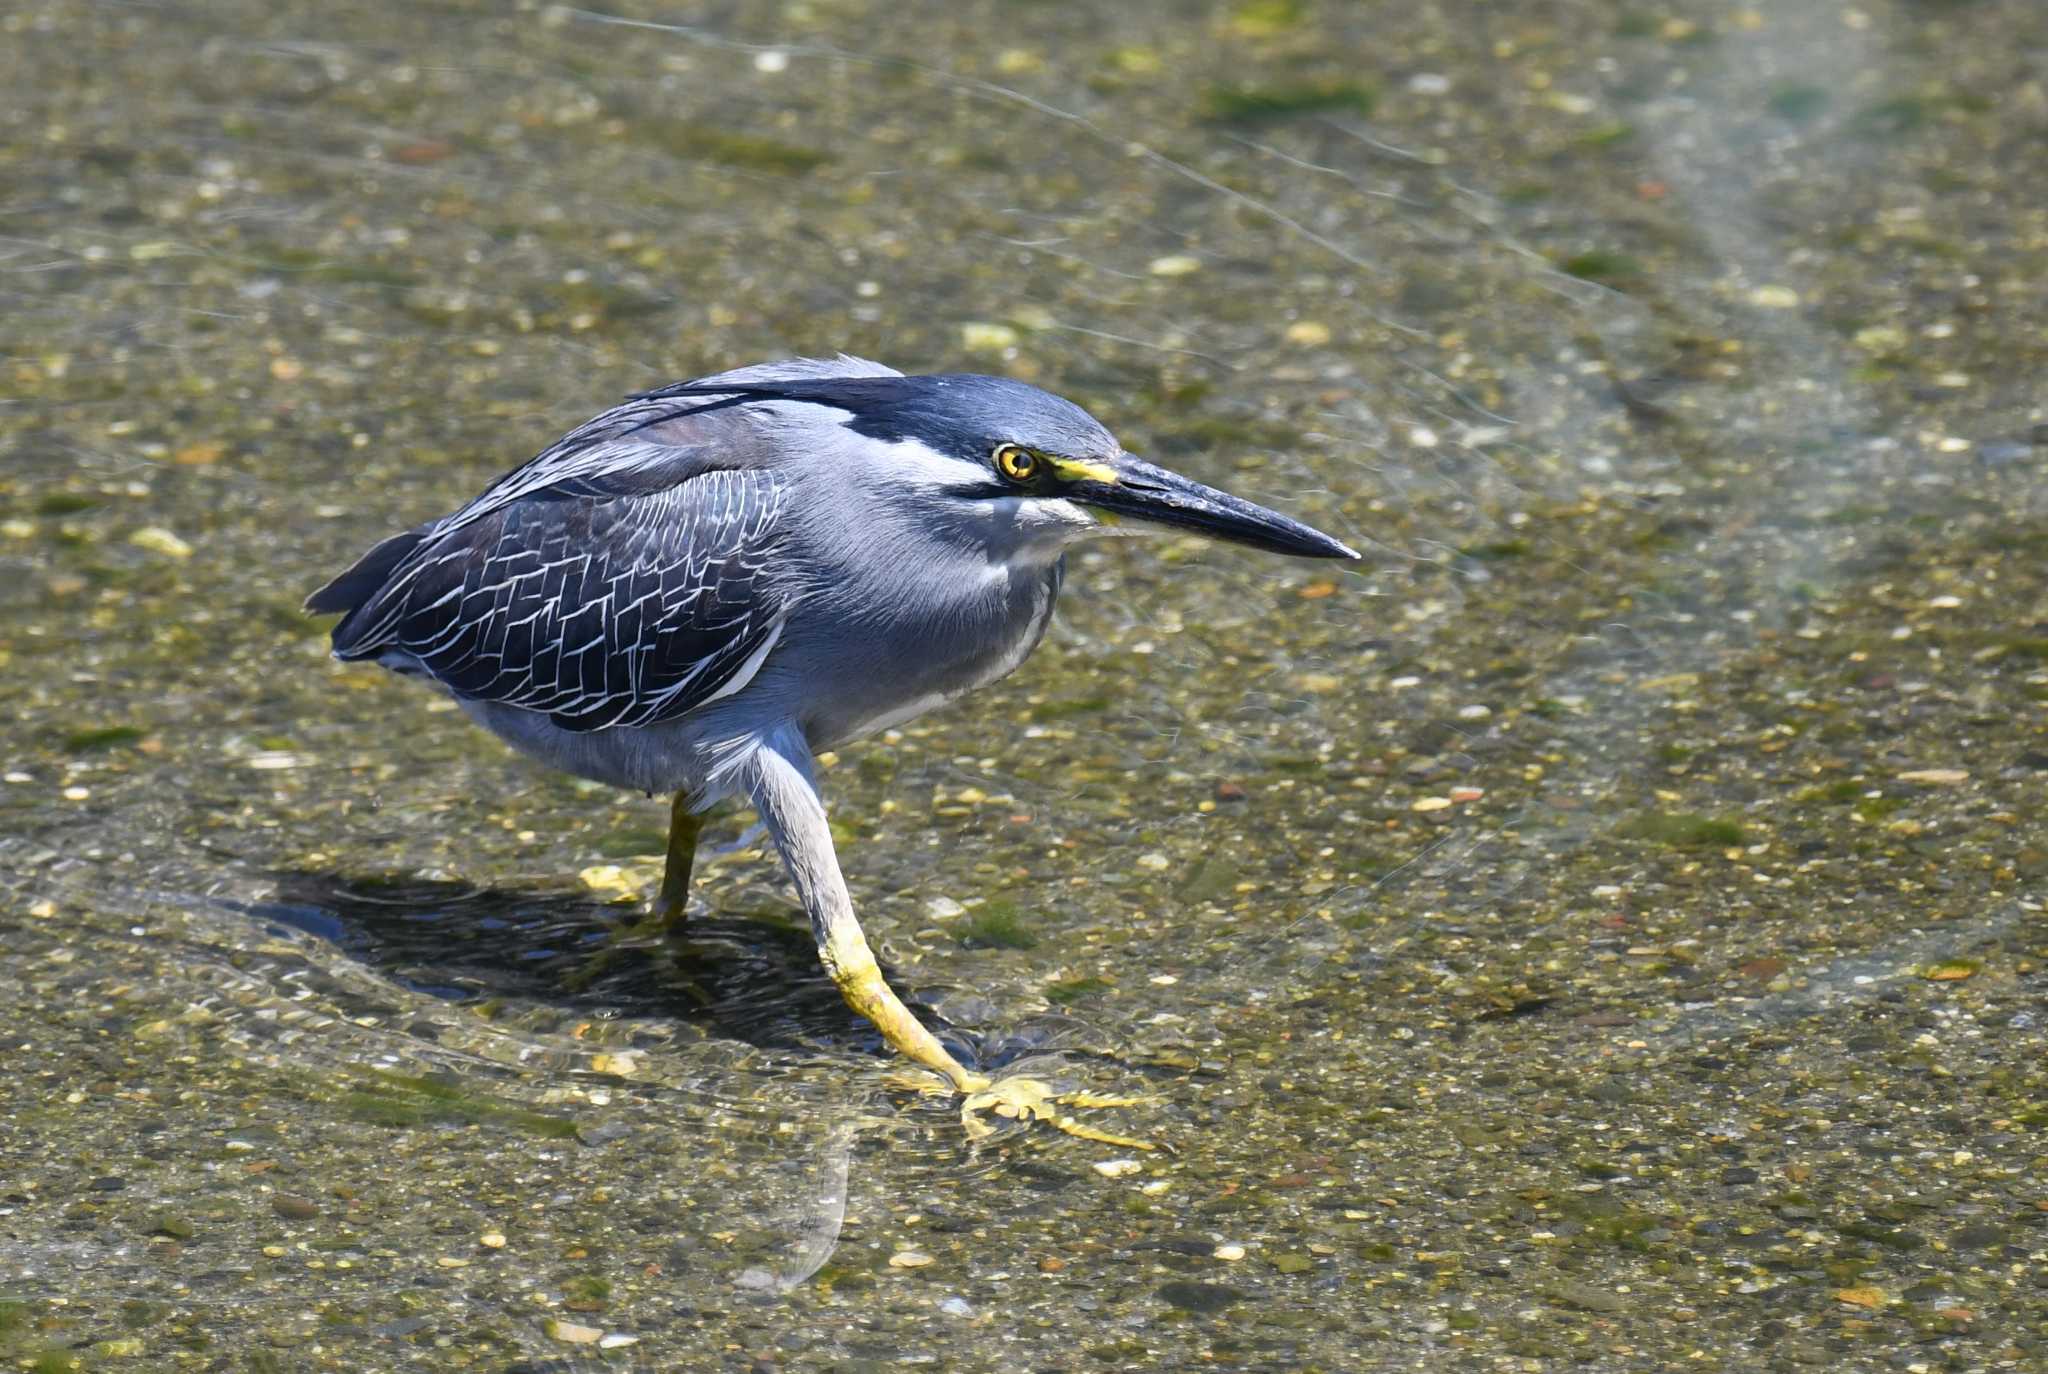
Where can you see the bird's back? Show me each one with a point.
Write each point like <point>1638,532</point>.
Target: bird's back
<point>624,576</point>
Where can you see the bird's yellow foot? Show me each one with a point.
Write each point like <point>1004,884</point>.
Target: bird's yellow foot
<point>1025,1099</point>
<point>1032,1099</point>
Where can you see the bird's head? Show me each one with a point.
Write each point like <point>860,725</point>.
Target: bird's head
<point>1001,452</point>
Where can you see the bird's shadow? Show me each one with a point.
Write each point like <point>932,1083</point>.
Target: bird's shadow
<point>750,976</point>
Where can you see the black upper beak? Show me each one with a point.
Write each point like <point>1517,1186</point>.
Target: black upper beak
<point>1149,493</point>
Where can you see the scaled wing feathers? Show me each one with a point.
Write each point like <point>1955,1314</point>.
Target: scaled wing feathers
<point>598,609</point>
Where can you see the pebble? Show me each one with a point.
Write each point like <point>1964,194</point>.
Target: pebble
<point>980,336</point>
<point>573,1333</point>
<point>1308,333</point>
<point>1117,1168</point>
<point>609,878</point>
<point>1229,1252</point>
<point>1199,1297</point>
<point>157,539</point>
<point>1174,265</point>
<point>1939,777</point>
<point>1430,804</point>
<point>1155,861</point>
<point>1587,1298</point>
<point>943,909</point>
<point>1775,298</point>
<point>909,1259</point>
<point>492,1240</point>
<point>957,1307</point>
<point>616,1340</point>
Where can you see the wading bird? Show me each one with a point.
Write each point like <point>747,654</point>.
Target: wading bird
<point>700,589</point>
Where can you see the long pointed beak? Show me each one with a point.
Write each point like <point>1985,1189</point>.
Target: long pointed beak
<point>1132,489</point>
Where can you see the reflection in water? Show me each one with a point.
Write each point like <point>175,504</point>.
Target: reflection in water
<point>753,978</point>
<point>805,1235</point>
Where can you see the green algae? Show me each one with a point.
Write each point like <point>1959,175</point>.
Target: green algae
<point>102,738</point>
<point>412,1100</point>
<point>1799,102</point>
<point>997,923</point>
<point>1248,103</point>
<point>1068,991</point>
<point>754,152</point>
<point>1603,265</point>
<point>1683,830</point>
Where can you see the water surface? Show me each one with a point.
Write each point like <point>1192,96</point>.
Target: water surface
<point>1603,928</point>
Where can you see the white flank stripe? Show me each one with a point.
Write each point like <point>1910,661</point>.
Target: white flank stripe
<point>751,666</point>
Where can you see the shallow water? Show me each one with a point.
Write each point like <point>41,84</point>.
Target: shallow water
<point>1604,928</point>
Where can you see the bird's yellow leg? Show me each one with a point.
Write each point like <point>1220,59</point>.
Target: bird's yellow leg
<point>852,966</point>
<point>788,803</point>
<point>672,905</point>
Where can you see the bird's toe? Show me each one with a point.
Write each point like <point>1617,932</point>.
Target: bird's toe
<point>1033,1099</point>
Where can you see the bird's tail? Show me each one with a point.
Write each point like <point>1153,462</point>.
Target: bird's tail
<point>357,587</point>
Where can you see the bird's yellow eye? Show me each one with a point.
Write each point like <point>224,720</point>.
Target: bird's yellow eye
<point>1017,464</point>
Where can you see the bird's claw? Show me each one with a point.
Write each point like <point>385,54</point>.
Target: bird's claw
<point>1021,1099</point>
<point>1032,1099</point>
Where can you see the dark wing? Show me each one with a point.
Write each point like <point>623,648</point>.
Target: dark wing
<point>623,576</point>
<point>604,599</point>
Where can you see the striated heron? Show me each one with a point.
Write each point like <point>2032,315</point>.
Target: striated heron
<point>700,589</point>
